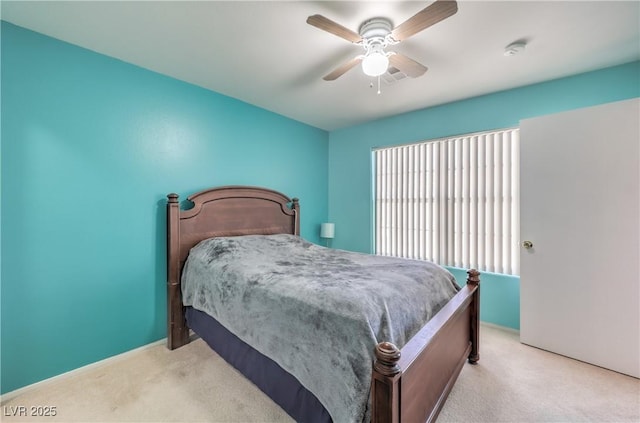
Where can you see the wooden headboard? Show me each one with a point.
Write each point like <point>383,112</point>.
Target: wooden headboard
<point>223,211</point>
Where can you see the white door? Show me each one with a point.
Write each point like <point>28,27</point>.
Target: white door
<point>580,208</point>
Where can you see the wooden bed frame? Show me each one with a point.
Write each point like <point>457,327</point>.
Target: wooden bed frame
<point>409,384</point>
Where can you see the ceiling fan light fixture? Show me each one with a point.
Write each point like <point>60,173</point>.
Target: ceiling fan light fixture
<point>375,63</point>
<point>378,33</point>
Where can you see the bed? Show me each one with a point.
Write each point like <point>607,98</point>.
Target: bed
<point>406,385</point>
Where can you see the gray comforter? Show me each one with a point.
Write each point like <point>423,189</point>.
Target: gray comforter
<point>317,312</point>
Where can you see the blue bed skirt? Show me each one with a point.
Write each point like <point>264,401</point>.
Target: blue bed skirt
<point>284,389</point>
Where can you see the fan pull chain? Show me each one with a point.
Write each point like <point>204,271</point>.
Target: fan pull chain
<point>371,86</point>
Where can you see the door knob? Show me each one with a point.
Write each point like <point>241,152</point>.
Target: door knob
<point>527,244</point>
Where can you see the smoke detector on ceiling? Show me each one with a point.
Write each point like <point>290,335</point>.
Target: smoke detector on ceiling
<point>515,48</point>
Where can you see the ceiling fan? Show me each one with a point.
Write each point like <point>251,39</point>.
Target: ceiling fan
<point>376,34</point>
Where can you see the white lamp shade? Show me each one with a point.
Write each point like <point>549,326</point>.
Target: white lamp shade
<point>375,64</point>
<point>327,230</point>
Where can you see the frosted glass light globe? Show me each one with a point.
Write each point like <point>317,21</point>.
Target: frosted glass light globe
<point>375,64</point>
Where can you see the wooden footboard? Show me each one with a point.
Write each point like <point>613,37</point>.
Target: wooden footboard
<point>412,384</point>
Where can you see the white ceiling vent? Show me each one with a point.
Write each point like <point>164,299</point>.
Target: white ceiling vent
<point>393,75</point>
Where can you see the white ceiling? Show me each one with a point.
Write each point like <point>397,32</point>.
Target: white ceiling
<point>265,53</point>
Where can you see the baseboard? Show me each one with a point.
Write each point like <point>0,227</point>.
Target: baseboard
<point>11,395</point>
<point>505,328</point>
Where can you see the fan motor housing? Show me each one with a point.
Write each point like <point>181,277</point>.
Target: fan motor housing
<point>375,28</point>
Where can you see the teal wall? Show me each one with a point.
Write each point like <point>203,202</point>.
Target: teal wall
<point>350,187</point>
<point>90,148</point>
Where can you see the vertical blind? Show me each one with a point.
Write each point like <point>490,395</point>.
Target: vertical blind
<point>451,201</point>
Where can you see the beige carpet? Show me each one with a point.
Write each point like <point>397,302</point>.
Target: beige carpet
<point>512,383</point>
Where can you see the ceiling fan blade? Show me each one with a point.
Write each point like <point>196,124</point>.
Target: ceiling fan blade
<point>338,72</point>
<point>328,25</point>
<point>430,15</point>
<point>408,66</point>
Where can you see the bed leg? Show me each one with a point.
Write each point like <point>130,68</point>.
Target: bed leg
<point>473,279</point>
<point>385,384</point>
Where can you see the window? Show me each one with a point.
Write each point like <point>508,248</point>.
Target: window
<point>452,201</point>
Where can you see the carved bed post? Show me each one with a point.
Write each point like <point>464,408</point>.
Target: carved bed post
<point>177,331</point>
<point>473,279</point>
<point>385,386</point>
<point>296,209</point>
